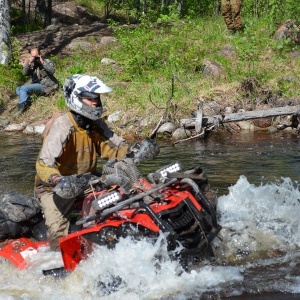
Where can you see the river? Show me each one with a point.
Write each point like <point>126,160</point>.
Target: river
<point>257,253</point>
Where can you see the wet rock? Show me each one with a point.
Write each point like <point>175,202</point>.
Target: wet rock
<point>272,129</point>
<point>290,129</point>
<point>245,125</point>
<point>4,123</point>
<point>37,127</point>
<point>181,133</point>
<point>34,129</point>
<point>231,127</point>
<point>15,127</point>
<point>262,122</point>
<point>167,128</point>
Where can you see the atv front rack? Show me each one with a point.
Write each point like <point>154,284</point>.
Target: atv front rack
<point>121,205</point>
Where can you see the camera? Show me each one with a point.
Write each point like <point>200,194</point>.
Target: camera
<point>36,58</point>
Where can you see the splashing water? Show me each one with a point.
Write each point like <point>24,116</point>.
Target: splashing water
<point>130,271</point>
<point>260,237</point>
<point>259,219</point>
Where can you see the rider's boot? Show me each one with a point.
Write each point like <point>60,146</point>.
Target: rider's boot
<point>22,107</point>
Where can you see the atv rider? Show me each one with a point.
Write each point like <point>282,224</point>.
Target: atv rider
<point>71,147</point>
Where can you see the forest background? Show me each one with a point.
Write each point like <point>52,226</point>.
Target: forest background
<point>160,52</point>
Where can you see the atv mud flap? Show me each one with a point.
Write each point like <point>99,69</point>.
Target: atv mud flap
<point>16,251</point>
<point>74,248</point>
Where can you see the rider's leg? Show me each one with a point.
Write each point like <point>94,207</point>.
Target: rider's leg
<point>56,212</point>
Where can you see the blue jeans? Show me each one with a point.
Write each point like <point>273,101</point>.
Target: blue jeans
<point>26,90</point>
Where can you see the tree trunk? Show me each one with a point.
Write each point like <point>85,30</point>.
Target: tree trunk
<point>4,31</point>
<point>48,16</point>
<point>44,10</point>
<point>24,14</point>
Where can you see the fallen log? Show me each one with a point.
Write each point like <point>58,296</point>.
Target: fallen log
<point>242,116</point>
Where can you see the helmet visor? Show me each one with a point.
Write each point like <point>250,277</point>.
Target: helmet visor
<point>92,97</point>
<point>89,95</point>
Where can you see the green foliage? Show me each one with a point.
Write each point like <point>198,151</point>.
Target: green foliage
<point>275,10</point>
<point>168,43</point>
<point>10,77</point>
<point>152,53</point>
<point>15,52</point>
<point>162,48</point>
<point>61,103</point>
<point>76,69</point>
<point>26,28</point>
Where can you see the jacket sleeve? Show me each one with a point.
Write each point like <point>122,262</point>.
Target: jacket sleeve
<point>27,69</point>
<point>52,148</point>
<point>49,66</point>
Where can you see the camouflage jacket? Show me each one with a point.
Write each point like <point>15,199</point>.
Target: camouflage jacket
<point>43,74</point>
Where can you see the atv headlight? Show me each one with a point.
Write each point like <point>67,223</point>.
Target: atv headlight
<point>106,201</point>
<point>175,167</point>
<point>161,174</point>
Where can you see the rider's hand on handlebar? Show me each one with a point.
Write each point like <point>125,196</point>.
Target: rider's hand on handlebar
<point>55,178</point>
<point>72,185</point>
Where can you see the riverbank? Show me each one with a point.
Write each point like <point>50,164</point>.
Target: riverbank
<point>155,84</point>
<point>177,132</point>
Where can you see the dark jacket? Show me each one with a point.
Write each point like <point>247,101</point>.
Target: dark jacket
<point>43,74</point>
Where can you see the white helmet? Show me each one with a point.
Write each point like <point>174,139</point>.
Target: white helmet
<point>79,86</point>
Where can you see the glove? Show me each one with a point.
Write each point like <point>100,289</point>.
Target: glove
<point>68,187</point>
<point>147,149</point>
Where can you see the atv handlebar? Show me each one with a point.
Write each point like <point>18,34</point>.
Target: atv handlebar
<point>124,203</point>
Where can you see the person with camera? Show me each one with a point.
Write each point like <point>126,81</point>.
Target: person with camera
<point>41,72</point>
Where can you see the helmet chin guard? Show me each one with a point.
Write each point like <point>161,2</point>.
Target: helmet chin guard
<point>79,86</point>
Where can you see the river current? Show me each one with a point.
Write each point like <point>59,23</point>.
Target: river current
<point>257,253</point>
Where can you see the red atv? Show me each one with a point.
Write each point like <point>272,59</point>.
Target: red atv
<point>124,203</point>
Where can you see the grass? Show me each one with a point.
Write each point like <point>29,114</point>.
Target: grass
<point>160,66</point>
